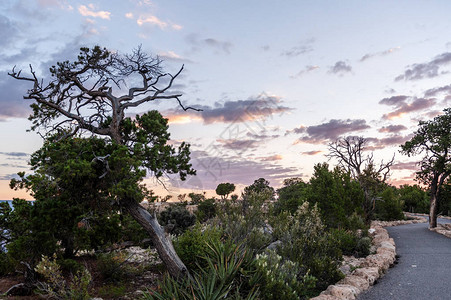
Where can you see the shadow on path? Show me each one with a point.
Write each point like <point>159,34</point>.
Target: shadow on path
<point>424,266</point>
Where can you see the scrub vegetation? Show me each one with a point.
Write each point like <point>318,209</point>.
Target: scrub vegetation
<point>263,244</point>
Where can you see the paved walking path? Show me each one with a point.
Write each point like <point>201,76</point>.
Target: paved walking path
<point>424,266</point>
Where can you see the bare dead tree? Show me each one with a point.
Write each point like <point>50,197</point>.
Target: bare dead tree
<point>349,152</point>
<point>351,156</point>
<point>88,96</point>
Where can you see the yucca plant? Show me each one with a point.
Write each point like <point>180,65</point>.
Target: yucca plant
<point>227,275</point>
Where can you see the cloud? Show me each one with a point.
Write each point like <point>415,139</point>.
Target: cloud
<point>88,11</point>
<point>391,140</point>
<point>15,154</point>
<point>404,105</point>
<point>153,20</point>
<point>172,56</point>
<point>390,91</point>
<point>395,100</point>
<point>340,68</point>
<point>411,165</point>
<point>304,47</point>
<point>329,131</point>
<point>8,30</point>
<point>214,168</point>
<point>62,4</point>
<point>274,157</point>
<point>12,104</point>
<point>238,144</point>
<point>9,176</point>
<point>252,109</point>
<point>198,43</point>
<point>426,70</point>
<point>262,136</point>
<point>438,90</point>
<point>14,166</point>
<point>307,69</point>
<point>312,152</point>
<point>176,26</point>
<point>392,128</point>
<point>381,53</point>
<point>129,15</point>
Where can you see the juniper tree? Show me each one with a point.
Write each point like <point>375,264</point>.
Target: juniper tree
<point>433,138</point>
<point>90,97</point>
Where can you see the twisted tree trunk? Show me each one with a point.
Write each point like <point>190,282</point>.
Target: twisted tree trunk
<point>433,211</point>
<point>161,242</point>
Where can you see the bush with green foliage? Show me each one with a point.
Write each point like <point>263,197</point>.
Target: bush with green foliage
<point>260,186</point>
<point>336,194</point>
<point>280,279</point>
<point>351,243</point>
<point>415,198</point>
<point>206,209</point>
<point>176,219</point>
<point>191,246</point>
<point>28,237</point>
<point>196,198</point>
<point>244,220</point>
<point>291,195</point>
<point>55,285</point>
<point>444,199</point>
<point>388,205</point>
<point>305,241</point>
<point>224,189</point>
<point>112,266</point>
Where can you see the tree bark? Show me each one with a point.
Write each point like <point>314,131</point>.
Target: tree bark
<point>162,243</point>
<point>433,211</point>
<point>433,201</point>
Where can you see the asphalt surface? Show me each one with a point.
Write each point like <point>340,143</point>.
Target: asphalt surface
<point>423,270</point>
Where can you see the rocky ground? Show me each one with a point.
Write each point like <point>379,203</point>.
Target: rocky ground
<point>142,270</point>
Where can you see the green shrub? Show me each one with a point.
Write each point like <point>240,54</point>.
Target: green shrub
<point>291,195</point>
<point>280,278</point>
<point>112,291</point>
<point>346,240</point>
<point>336,194</point>
<point>70,265</point>
<point>56,287</point>
<point>351,243</point>
<point>363,246</point>
<point>415,198</point>
<point>244,221</point>
<point>130,230</point>
<point>176,219</point>
<point>7,265</point>
<point>112,266</point>
<point>305,241</point>
<point>389,206</point>
<point>206,210</point>
<point>191,246</point>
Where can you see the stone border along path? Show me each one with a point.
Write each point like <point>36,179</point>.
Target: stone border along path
<point>373,266</point>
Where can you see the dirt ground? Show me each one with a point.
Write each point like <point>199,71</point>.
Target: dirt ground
<point>131,286</point>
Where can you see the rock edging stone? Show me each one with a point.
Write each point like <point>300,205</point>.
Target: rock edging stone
<point>372,267</point>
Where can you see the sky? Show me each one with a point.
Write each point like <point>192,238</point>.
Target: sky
<point>277,81</point>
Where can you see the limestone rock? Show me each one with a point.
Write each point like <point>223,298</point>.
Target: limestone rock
<point>370,274</point>
<point>343,291</point>
<point>358,281</point>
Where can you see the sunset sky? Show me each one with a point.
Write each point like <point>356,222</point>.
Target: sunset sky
<point>277,80</point>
